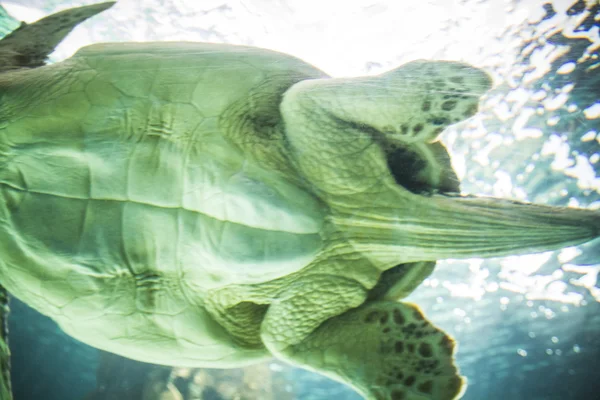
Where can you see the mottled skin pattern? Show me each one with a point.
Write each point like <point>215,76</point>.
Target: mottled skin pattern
<point>212,205</point>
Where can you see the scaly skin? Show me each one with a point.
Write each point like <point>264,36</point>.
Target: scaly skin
<point>214,205</point>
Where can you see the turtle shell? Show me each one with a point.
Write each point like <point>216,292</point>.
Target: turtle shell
<point>125,197</point>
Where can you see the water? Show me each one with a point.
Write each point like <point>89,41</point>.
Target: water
<point>528,327</point>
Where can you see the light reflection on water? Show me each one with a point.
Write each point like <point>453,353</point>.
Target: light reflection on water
<point>518,320</point>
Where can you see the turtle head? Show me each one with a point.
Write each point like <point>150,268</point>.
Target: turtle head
<point>384,126</point>
<point>409,104</point>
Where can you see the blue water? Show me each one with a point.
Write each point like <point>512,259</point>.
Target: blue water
<point>531,335</point>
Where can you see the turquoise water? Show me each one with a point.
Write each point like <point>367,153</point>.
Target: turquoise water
<point>527,327</point>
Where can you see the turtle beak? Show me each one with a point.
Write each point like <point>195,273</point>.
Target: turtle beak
<point>438,227</point>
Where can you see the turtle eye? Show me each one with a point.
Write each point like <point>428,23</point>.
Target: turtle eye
<point>406,167</point>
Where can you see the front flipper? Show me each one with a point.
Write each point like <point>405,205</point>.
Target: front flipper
<point>385,350</point>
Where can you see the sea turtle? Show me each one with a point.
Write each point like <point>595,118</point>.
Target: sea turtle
<point>196,204</point>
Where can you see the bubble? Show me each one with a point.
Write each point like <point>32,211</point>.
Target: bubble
<point>566,68</point>
<point>589,136</point>
<point>459,312</point>
<point>522,352</point>
<point>275,367</point>
<point>593,111</point>
<point>552,121</point>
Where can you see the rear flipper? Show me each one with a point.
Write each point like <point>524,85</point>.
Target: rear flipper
<point>29,45</point>
<point>386,351</point>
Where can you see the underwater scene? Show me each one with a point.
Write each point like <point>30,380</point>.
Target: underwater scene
<point>527,327</point>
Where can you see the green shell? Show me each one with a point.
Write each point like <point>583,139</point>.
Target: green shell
<point>124,195</point>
